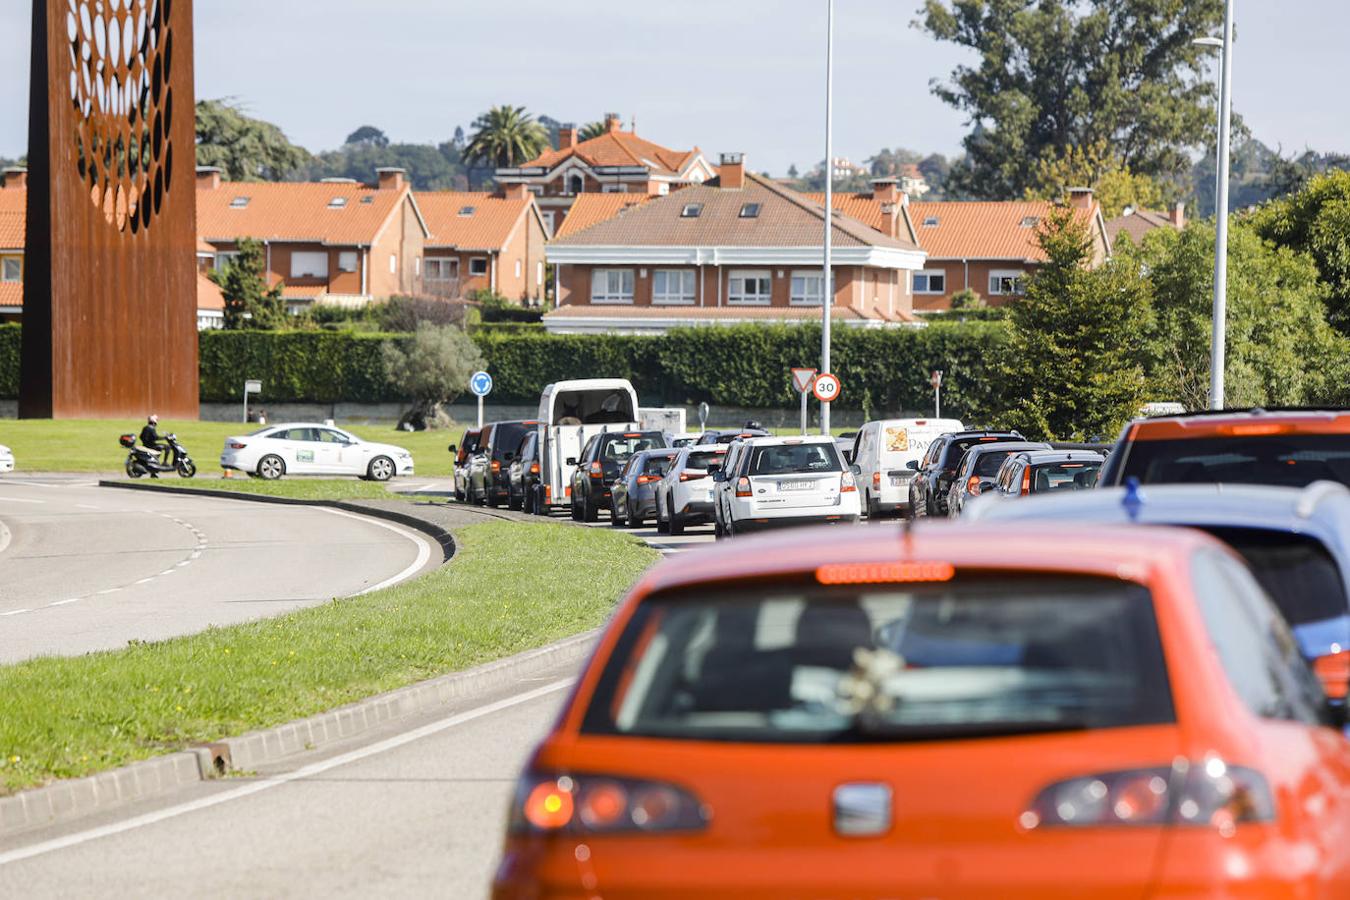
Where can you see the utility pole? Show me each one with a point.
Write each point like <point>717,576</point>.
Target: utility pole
<point>1219,335</point>
<point>827,282</point>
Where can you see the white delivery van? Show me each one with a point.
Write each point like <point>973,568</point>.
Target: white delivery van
<point>570,413</point>
<point>882,452</point>
<point>670,420</point>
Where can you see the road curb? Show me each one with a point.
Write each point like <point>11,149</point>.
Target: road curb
<point>73,799</point>
<point>431,529</point>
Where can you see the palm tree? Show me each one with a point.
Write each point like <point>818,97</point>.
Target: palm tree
<point>506,136</point>
<point>591,130</point>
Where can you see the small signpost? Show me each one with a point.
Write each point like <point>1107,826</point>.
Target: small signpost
<point>480,383</point>
<point>826,388</point>
<point>703,410</point>
<point>936,381</point>
<point>251,386</point>
<point>801,382</point>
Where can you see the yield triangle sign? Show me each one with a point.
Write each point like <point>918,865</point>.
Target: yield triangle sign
<point>802,378</point>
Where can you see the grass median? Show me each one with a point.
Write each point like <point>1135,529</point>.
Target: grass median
<point>511,587</point>
<point>293,488</point>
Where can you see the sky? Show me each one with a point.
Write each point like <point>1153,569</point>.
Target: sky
<point>725,75</point>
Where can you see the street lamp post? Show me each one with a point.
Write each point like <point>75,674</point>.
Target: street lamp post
<point>827,282</point>
<point>1219,333</point>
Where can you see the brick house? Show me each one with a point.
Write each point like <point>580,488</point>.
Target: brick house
<point>616,162</point>
<point>1135,223</point>
<point>482,241</point>
<point>329,242</point>
<point>988,247</point>
<point>738,248</point>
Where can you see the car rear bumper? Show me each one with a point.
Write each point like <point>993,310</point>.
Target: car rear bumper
<point>762,523</point>
<point>697,509</point>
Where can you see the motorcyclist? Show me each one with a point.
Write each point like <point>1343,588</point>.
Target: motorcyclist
<point>150,440</point>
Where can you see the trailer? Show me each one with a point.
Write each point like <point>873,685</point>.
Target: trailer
<point>670,419</point>
<point>570,414</point>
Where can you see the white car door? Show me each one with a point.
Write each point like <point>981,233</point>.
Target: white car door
<point>304,448</point>
<point>339,453</point>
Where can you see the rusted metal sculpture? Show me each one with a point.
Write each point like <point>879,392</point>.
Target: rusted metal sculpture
<point>110,289</point>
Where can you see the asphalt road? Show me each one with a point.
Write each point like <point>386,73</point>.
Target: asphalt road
<point>415,811</point>
<point>84,568</point>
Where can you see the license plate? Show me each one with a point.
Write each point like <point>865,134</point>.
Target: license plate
<point>796,485</point>
<point>898,481</point>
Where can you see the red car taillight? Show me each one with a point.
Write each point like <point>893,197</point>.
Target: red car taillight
<point>235,445</point>
<point>534,468</point>
<point>847,483</point>
<point>648,479</point>
<point>876,481</point>
<point>692,476</point>
<point>1207,793</point>
<point>597,470</point>
<point>599,804</point>
<point>973,485</point>
<point>1333,670</point>
<point>496,465</point>
<point>1026,481</point>
<point>743,487</point>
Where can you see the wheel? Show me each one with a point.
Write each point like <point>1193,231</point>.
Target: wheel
<point>459,495</point>
<point>590,512</point>
<point>134,469</point>
<point>676,521</point>
<point>381,468</point>
<point>537,504</point>
<point>717,528</point>
<point>873,509</point>
<point>187,468</point>
<point>634,518</point>
<point>270,467</point>
<point>491,500</point>
<point>513,502</point>
<point>616,520</point>
<point>662,525</point>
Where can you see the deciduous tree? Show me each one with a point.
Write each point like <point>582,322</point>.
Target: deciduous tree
<point>247,149</point>
<point>433,369</point>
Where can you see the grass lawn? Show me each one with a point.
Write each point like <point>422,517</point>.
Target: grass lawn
<point>69,717</point>
<point>88,445</point>
<point>297,488</point>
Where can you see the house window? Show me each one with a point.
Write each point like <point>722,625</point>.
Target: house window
<point>1006,283</point>
<point>478,265</point>
<point>518,268</point>
<point>347,261</point>
<point>225,259</point>
<point>615,189</point>
<point>750,211</point>
<point>548,221</point>
<point>575,184</point>
<point>538,273</point>
<point>806,288</point>
<point>337,203</point>
<point>930,221</point>
<point>239,202</point>
<point>305,264</point>
<point>466,210</point>
<point>691,211</point>
<point>393,264</point>
<point>750,287</point>
<point>612,286</point>
<point>442,269</point>
<point>931,281</point>
<point>1030,221</point>
<point>11,268</point>
<point>673,286</point>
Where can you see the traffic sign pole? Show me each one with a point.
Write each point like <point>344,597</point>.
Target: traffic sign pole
<point>481,385</point>
<point>802,379</point>
<point>804,393</point>
<point>480,411</point>
<point>936,381</point>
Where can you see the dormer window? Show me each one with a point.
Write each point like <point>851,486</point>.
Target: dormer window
<point>930,222</point>
<point>691,211</point>
<point>466,210</point>
<point>337,203</point>
<point>367,199</point>
<point>1030,221</point>
<point>750,211</point>
<point>239,202</point>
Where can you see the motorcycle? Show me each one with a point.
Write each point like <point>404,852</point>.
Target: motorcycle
<point>145,461</point>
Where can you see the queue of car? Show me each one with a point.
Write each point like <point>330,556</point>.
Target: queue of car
<point>1132,689</point>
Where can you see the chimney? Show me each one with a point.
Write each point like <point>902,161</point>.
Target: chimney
<point>514,191</point>
<point>392,178</point>
<point>613,122</point>
<point>567,136</point>
<point>1080,197</point>
<point>733,171</point>
<point>890,218</point>
<point>14,178</point>
<point>1178,216</point>
<point>208,178</point>
<point>887,190</point>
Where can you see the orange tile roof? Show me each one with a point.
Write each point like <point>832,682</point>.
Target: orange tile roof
<point>487,228</point>
<point>295,212</point>
<point>13,214</point>
<point>1136,224</point>
<point>794,313</point>
<point>786,219</point>
<point>11,293</point>
<point>617,148</point>
<point>208,294</point>
<point>592,209</point>
<point>863,207</point>
<point>302,291</point>
<point>984,230</point>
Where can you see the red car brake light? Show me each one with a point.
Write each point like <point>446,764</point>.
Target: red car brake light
<point>973,485</point>
<point>1026,481</point>
<point>591,804</point>
<point>648,479</point>
<point>885,572</point>
<point>235,445</point>
<point>743,487</point>
<point>1207,793</point>
<point>597,469</point>
<point>692,476</point>
<point>876,481</point>
<point>847,483</point>
<point>1333,671</point>
<point>534,468</point>
<point>496,465</point>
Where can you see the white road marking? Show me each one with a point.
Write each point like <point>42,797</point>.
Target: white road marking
<point>423,550</point>
<point>64,602</point>
<point>146,580</point>
<point>4,537</point>
<point>108,591</point>
<point>264,784</point>
<point>21,500</point>
<point>165,572</point>
<point>15,612</point>
<point>86,506</point>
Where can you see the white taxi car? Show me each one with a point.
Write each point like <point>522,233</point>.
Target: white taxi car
<point>303,448</point>
<point>778,481</point>
<point>6,459</point>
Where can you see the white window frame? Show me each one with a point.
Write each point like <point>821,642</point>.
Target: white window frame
<point>567,184</point>
<point>804,298</point>
<point>737,296</point>
<point>473,266</point>
<point>11,269</point>
<point>348,261</point>
<point>539,273</point>
<point>441,268</point>
<point>224,258</point>
<point>612,286</point>
<point>393,263</point>
<point>309,268</point>
<point>547,216</point>
<point>930,274</point>
<point>683,295</point>
<point>519,268</point>
<point>996,282</point>
<point>614,189</point>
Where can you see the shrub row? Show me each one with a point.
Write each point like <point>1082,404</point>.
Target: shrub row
<point>745,366</point>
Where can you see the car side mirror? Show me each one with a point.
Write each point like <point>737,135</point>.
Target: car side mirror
<point>855,469</point>
<point>454,451</point>
<point>719,475</point>
<point>571,460</point>
<point>912,465</point>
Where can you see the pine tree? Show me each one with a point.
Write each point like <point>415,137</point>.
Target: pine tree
<point>249,303</point>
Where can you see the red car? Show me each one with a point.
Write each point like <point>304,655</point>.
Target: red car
<point>977,713</point>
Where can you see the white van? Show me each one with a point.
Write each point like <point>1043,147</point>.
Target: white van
<point>570,413</point>
<point>881,454</point>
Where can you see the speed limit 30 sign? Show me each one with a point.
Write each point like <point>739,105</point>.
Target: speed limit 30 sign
<point>826,388</point>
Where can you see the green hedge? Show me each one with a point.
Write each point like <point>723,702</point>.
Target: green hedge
<point>744,365</point>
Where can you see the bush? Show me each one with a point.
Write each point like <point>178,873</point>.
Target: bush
<point>496,308</point>
<point>10,339</point>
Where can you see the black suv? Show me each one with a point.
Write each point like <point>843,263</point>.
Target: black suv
<point>524,475</point>
<point>463,453</point>
<point>598,468</point>
<point>727,435</point>
<point>928,488</point>
<point>490,473</point>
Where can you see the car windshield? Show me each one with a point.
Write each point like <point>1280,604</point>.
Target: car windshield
<point>968,658</point>
<point>958,447</point>
<point>1286,460</point>
<point>657,465</point>
<point>988,464</point>
<point>620,447</point>
<point>1066,476</point>
<point>507,437</point>
<point>702,460</point>
<point>786,459</point>
<point>1296,570</point>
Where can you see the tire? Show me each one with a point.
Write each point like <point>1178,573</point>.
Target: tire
<point>873,508</point>
<point>576,510</point>
<point>662,525</point>
<point>459,495</point>
<point>527,500</point>
<point>537,504</point>
<point>514,503</point>
<point>381,468</point>
<point>590,512</point>
<point>676,521</point>
<point>134,469</point>
<point>633,519</point>
<point>717,528</point>
<point>616,520</point>
<point>271,467</point>
<point>187,468</point>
